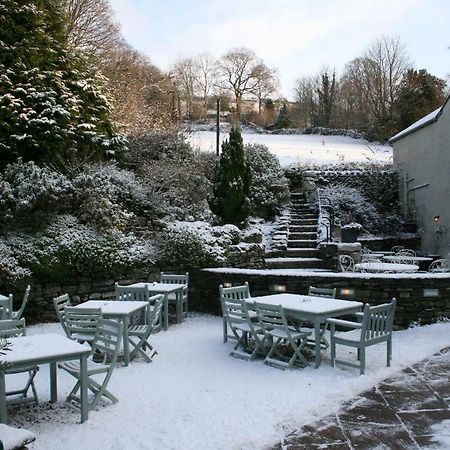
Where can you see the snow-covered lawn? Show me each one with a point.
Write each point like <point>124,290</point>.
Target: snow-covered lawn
<point>302,148</point>
<point>195,396</point>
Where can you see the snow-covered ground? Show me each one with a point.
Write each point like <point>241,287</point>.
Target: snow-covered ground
<point>302,148</point>
<point>195,396</point>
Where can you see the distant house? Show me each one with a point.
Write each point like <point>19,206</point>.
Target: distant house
<point>422,158</point>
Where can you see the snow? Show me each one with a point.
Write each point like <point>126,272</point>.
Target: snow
<point>195,396</point>
<point>306,273</point>
<point>301,148</point>
<point>13,437</point>
<point>416,125</point>
<point>441,433</point>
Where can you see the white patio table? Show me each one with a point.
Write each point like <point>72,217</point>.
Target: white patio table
<point>166,289</point>
<point>377,267</point>
<point>312,309</point>
<point>50,349</point>
<point>112,309</point>
<point>413,259</point>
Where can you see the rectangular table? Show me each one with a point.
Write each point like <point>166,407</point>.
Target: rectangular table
<point>166,289</point>
<point>113,309</point>
<point>27,351</point>
<point>312,309</point>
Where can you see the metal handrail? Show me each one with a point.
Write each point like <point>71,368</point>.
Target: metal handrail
<point>325,206</point>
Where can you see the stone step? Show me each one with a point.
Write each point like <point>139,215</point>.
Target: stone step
<point>302,243</point>
<point>303,229</point>
<point>304,216</point>
<point>294,253</point>
<point>293,263</point>
<point>304,235</point>
<point>302,222</point>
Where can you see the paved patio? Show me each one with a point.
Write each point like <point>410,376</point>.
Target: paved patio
<point>399,413</point>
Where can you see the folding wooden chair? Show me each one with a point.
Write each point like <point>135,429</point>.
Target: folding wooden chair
<point>142,332</point>
<point>13,328</point>
<point>237,315</point>
<point>181,310</point>
<point>81,323</point>
<point>60,303</point>
<point>233,293</point>
<point>132,293</point>
<point>276,329</point>
<point>106,343</point>
<point>375,327</point>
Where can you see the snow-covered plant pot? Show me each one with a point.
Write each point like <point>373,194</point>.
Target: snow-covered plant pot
<point>350,232</point>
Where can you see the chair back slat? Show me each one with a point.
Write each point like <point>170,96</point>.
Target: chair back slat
<point>154,309</point>
<point>107,340</point>
<point>60,303</point>
<point>172,278</point>
<point>132,293</point>
<point>18,314</point>
<point>12,328</point>
<point>322,292</point>
<point>378,320</point>
<point>81,320</point>
<point>270,316</point>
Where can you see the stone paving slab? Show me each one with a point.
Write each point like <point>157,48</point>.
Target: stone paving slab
<point>398,413</point>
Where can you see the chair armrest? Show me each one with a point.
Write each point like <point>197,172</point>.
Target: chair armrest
<point>344,323</point>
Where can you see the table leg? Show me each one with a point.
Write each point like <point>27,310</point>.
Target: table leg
<point>317,342</point>
<point>53,383</point>
<point>83,388</point>
<point>180,306</point>
<point>3,413</point>
<point>126,344</point>
<point>166,312</point>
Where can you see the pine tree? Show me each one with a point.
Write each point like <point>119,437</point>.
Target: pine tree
<point>52,107</point>
<point>284,117</point>
<point>231,191</point>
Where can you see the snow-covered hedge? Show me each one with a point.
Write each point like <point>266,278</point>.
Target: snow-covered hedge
<point>66,248</point>
<point>197,244</point>
<point>269,191</point>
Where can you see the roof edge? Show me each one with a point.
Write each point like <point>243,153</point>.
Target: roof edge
<point>403,133</point>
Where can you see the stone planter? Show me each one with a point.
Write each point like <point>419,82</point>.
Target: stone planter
<point>349,234</point>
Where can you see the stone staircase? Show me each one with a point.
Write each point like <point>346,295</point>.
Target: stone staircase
<point>301,250</point>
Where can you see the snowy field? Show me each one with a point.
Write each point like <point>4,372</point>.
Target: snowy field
<point>194,396</point>
<point>302,148</point>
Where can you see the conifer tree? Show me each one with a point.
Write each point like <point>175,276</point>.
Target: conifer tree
<point>53,109</point>
<point>231,191</point>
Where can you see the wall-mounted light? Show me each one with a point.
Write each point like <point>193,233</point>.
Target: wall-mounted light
<point>347,292</point>
<point>227,285</point>
<point>437,219</point>
<point>278,288</point>
<point>431,293</point>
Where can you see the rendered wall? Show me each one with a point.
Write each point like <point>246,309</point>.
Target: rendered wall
<point>424,157</point>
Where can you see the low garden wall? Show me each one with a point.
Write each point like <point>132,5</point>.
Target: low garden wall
<point>81,288</point>
<point>423,298</point>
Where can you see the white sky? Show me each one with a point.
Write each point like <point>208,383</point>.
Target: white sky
<point>297,37</point>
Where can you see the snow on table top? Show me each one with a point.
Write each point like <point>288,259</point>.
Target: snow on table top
<point>195,396</point>
<point>387,266</point>
<point>160,287</point>
<point>306,303</point>
<point>14,437</point>
<point>406,257</point>
<point>114,307</point>
<point>41,347</point>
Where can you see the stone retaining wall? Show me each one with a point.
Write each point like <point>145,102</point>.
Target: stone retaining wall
<point>423,299</point>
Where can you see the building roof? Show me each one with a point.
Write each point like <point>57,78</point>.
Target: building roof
<point>421,123</point>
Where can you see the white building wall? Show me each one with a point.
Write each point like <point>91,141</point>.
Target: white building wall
<point>423,158</point>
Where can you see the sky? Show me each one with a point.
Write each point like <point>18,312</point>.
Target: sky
<point>296,37</point>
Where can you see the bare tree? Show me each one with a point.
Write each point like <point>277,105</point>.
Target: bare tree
<point>266,84</point>
<point>184,73</point>
<point>305,92</point>
<point>90,25</point>
<point>238,70</point>
<point>206,78</point>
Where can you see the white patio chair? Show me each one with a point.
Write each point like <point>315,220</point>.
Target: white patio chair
<point>181,310</point>
<point>107,344</point>
<point>81,323</point>
<point>440,265</point>
<point>375,328</point>
<point>18,314</point>
<point>346,263</point>
<point>60,303</point>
